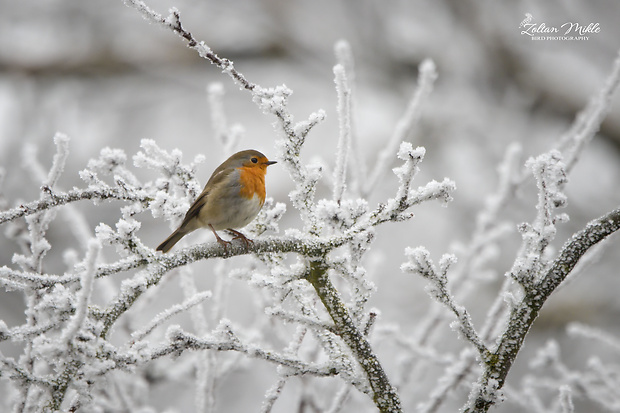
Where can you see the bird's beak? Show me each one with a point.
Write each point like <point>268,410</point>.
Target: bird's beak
<point>270,162</point>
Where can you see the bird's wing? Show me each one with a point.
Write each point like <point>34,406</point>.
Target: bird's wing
<point>193,211</point>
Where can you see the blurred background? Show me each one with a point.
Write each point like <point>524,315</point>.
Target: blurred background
<point>100,73</point>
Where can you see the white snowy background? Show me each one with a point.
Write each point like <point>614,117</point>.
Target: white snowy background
<point>101,74</point>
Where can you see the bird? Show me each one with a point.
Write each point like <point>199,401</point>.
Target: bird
<point>232,198</point>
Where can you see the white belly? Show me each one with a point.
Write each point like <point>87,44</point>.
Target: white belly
<point>238,216</point>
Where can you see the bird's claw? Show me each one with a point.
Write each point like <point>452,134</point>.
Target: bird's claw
<point>238,235</point>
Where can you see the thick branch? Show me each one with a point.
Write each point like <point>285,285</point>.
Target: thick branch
<point>384,395</point>
<point>167,262</point>
<point>523,314</point>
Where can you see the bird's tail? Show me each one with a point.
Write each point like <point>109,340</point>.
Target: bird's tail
<point>171,240</point>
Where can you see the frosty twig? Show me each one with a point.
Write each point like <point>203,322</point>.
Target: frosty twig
<point>426,78</point>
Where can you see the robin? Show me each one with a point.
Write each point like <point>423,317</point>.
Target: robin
<point>232,198</point>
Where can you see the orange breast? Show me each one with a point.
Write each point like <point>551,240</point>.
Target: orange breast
<point>252,182</point>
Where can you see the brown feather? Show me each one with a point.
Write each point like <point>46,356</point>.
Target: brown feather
<point>194,210</point>
<point>171,240</point>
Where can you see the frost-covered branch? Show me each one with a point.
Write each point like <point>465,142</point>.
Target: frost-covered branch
<point>58,199</point>
<point>596,381</point>
<point>226,340</point>
<point>548,170</point>
<point>173,22</point>
<point>526,310</point>
<point>227,136</point>
<point>344,140</point>
<point>420,262</point>
<point>426,78</point>
<point>596,334</point>
<point>533,258</point>
<point>358,170</point>
<point>167,314</point>
<point>83,298</point>
<point>384,394</point>
<point>590,118</point>
<point>473,256</point>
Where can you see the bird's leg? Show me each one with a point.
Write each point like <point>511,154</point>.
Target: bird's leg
<point>219,240</point>
<point>238,235</point>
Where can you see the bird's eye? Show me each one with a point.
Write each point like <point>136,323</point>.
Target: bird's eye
<point>254,160</point>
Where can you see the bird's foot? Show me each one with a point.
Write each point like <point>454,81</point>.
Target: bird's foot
<point>238,235</point>
<point>220,241</point>
<point>223,243</point>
